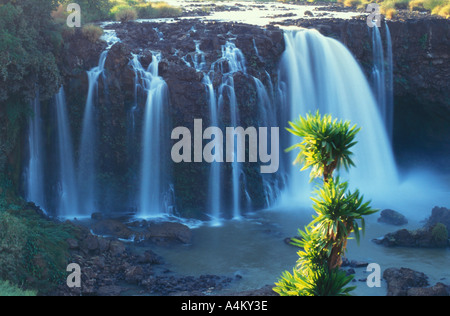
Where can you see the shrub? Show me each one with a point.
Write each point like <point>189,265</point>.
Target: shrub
<point>92,32</point>
<point>125,14</point>
<point>390,13</point>
<point>157,10</point>
<point>439,233</point>
<point>443,11</point>
<point>352,3</point>
<point>416,5</point>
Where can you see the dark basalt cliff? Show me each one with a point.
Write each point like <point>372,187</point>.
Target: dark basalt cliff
<point>119,158</point>
<point>421,76</point>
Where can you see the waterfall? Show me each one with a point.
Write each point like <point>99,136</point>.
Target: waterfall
<point>35,171</point>
<point>389,84</point>
<point>317,72</point>
<point>68,190</point>
<point>382,77</point>
<point>268,118</point>
<point>215,176</point>
<point>231,62</point>
<point>155,191</point>
<point>87,154</point>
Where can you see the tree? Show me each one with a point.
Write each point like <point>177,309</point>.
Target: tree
<point>325,147</point>
<point>326,144</point>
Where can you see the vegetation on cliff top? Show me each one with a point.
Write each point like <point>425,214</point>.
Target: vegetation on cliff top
<point>119,10</point>
<point>390,7</point>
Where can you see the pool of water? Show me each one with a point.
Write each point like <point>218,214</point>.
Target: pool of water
<point>254,249</point>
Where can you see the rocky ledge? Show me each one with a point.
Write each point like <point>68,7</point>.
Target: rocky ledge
<point>111,267</point>
<point>407,282</point>
<point>434,234</point>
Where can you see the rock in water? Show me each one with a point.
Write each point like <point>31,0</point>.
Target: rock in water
<point>168,232</point>
<point>392,217</point>
<point>439,215</point>
<point>407,282</point>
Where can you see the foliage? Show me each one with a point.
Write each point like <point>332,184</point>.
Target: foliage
<point>34,250</point>
<point>92,32</point>
<point>7,289</point>
<point>157,10</point>
<point>326,144</point>
<point>28,45</point>
<point>339,213</point>
<point>319,282</point>
<point>390,7</point>
<point>439,233</point>
<point>325,147</point>
<point>124,13</point>
<point>91,10</point>
<point>127,10</point>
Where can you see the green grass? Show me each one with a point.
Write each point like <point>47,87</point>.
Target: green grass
<point>7,289</point>
<point>34,251</point>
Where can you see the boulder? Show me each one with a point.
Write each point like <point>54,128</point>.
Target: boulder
<point>407,282</point>
<point>168,232</point>
<point>114,228</point>
<point>439,289</point>
<point>439,215</point>
<point>399,281</point>
<point>392,217</point>
<point>419,238</point>
<point>134,274</point>
<point>149,257</point>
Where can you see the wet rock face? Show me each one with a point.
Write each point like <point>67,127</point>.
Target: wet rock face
<point>188,50</point>
<point>439,215</point>
<point>420,238</point>
<point>407,282</point>
<point>392,217</point>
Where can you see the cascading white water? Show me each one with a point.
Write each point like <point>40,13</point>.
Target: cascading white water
<point>68,189</point>
<point>154,189</point>
<point>35,171</point>
<point>215,176</point>
<point>382,77</point>
<point>268,118</point>
<point>389,85</point>
<point>87,150</point>
<point>317,72</point>
<point>235,61</point>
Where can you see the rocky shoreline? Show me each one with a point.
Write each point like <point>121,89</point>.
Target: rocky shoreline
<point>112,266</point>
